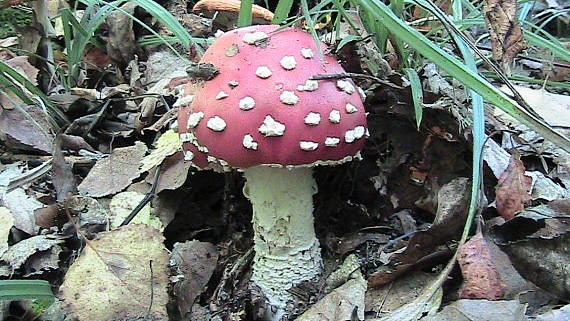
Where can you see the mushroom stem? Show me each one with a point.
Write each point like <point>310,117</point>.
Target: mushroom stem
<point>286,249</point>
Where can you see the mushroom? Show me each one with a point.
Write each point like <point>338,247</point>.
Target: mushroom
<point>275,124</point>
<point>225,12</point>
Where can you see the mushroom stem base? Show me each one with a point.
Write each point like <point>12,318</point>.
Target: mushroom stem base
<point>286,249</point>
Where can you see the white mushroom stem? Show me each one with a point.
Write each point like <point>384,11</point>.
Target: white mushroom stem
<point>286,249</point>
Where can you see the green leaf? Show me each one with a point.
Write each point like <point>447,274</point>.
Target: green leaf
<point>282,11</point>
<point>417,94</point>
<point>25,290</point>
<point>379,11</point>
<point>245,13</point>
<point>311,26</point>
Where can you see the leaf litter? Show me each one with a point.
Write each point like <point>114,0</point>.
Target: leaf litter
<point>389,224</point>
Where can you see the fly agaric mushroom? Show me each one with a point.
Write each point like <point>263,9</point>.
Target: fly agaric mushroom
<point>263,114</point>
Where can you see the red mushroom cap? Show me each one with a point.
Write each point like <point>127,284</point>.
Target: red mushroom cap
<point>262,109</point>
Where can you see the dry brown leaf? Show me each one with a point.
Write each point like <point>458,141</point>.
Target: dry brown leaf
<point>26,129</point>
<point>506,35</point>
<point>513,189</point>
<point>195,263</point>
<point>482,279</point>
<point>450,218</point>
<point>173,173</point>
<point>21,65</point>
<point>113,174</point>
<point>121,275</point>
<point>121,44</point>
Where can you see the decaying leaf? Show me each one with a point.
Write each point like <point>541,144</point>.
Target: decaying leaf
<point>121,275</point>
<point>121,44</point>
<point>26,128</point>
<point>481,310</point>
<point>173,173</point>
<point>195,263</point>
<point>19,254</point>
<point>168,144</point>
<point>450,218</point>
<point>513,189</point>
<point>545,188</point>
<point>545,260</point>
<point>114,173</point>
<point>339,304</point>
<point>123,204</point>
<point>390,297</point>
<point>501,17</point>
<point>350,268</point>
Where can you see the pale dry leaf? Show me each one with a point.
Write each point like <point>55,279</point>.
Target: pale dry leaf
<point>481,310</point>
<point>23,206</point>
<point>168,144</point>
<point>496,157</point>
<point>554,108</point>
<point>114,173</point>
<point>6,223</point>
<point>340,303</point>
<point>403,290</point>
<point>19,253</point>
<point>123,204</point>
<point>121,275</point>
<point>513,189</point>
<point>544,188</point>
<point>562,314</point>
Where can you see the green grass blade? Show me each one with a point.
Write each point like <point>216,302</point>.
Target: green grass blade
<point>245,13</point>
<point>56,115</point>
<point>25,290</point>
<point>529,80</point>
<point>459,71</point>
<point>282,11</point>
<point>311,26</point>
<point>556,48</point>
<point>167,19</point>
<point>417,94</point>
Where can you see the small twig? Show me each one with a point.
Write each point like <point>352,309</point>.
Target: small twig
<point>151,288</point>
<point>355,75</point>
<point>148,197</point>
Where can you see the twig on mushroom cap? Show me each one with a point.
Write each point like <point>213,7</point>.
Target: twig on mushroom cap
<point>355,75</point>
<point>233,6</point>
